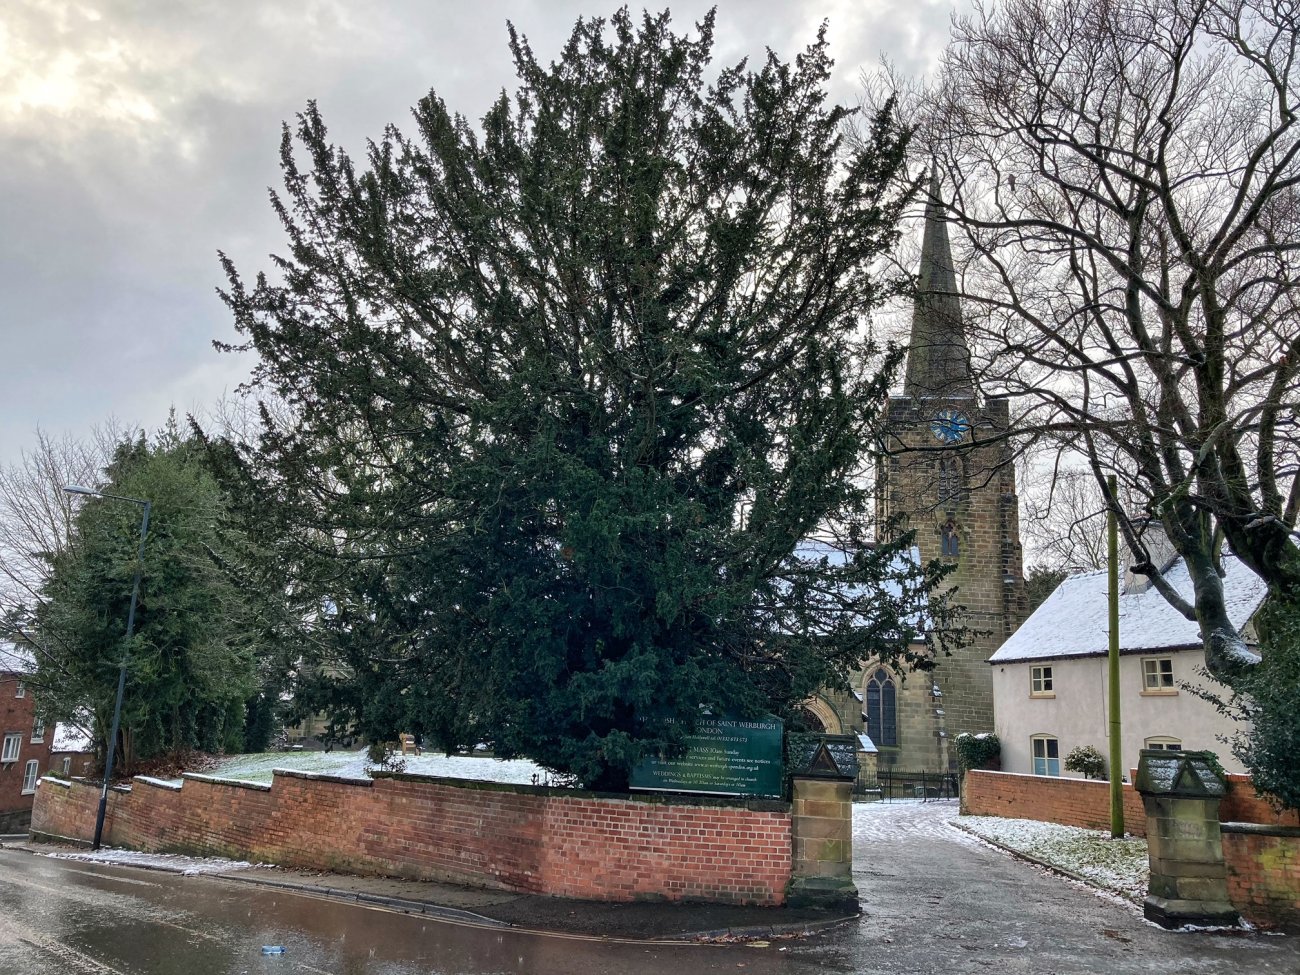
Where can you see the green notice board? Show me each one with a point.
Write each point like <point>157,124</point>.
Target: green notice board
<point>725,757</point>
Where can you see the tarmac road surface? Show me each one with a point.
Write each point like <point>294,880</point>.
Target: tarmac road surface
<point>61,917</point>
<point>935,900</point>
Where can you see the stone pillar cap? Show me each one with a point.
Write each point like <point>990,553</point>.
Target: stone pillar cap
<point>1185,774</point>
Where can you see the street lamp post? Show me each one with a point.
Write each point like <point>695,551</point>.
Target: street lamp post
<point>130,631</point>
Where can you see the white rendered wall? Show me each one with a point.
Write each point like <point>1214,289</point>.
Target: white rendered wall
<point>1077,714</point>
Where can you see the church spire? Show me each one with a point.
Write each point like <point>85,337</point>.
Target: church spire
<point>938,358</point>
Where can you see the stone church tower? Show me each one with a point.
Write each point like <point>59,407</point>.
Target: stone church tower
<point>947,472</point>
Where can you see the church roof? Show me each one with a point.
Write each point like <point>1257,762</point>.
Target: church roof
<point>1074,621</point>
<point>887,593</point>
<point>938,358</point>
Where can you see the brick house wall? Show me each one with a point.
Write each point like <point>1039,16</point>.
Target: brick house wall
<point>18,717</point>
<point>526,838</point>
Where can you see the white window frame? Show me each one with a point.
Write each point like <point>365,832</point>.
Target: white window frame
<point>1153,676</point>
<point>1164,743</point>
<point>13,744</point>
<point>38,731</point>
<point>30,773</point>
<point>67,765</point>
<point>1042,682</point>
<point>20,690</point>
<point>1051,764</point>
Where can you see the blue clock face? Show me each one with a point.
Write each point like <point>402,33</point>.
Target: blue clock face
<point>949,426</point>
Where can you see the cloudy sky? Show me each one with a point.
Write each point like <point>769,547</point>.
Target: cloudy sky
<point>140,136</point>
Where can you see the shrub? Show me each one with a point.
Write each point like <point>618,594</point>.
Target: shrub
<point>977,751</point>
<point>1087,761</point>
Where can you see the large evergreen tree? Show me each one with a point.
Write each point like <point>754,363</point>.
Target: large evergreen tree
<point>198,654</point>
<point>551,403</point>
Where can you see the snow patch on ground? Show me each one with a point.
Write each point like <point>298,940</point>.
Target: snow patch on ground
<point>1119,866</point>
<point>352,765</point>
<point>171,862</point>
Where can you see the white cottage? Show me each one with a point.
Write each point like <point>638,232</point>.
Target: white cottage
<point>1050,678</point>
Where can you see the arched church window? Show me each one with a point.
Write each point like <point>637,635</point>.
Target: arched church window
<point>882,708</point>
<point>949,547</point>
<point>950,481</point>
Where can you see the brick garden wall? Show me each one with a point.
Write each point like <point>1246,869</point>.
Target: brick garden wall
<point>1263,871</point>
<point>1070,802</point>
<point>1261,847</point>
<point>1242,805</point>
<point>525,838</point>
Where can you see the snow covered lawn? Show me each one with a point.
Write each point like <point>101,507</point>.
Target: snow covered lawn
<point>1119,866</point>
<point>353,764</point>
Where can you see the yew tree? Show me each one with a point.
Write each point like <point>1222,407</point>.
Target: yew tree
<point>553,400</point>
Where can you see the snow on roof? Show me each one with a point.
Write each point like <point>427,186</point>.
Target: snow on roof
<point>902,567</point>
<point>70,738</point>
<point>1073,620</point>
<point>14,660</point>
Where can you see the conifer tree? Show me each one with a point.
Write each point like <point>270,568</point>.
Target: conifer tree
<point>198,656</point>
<point>551,404</point>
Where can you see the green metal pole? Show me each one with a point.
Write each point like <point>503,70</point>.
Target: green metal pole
<point>1116,753</point>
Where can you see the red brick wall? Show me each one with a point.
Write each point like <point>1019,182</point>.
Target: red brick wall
<point>17,715</point>
<point>1263,873</point>
<point>1242,805</point>
<point>1079,802</point>
<point>511,837</point>
<point>1049,799</point>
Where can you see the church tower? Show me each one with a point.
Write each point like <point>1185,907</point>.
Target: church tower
<point>947,472</point>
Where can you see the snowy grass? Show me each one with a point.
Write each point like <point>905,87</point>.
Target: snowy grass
<point>353,764</point>
<point>1119,866</point>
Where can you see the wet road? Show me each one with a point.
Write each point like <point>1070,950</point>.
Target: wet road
<point>90,919</point>
<point>936,901</point>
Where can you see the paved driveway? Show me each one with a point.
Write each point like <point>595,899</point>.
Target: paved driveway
<point>935,899</point>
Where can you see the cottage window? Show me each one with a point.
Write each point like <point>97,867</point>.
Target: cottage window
<point>1158,675</point>
<point>13,742</point>
<point>1047,755</point>
<point>29,778</point>
<point>881,713</point>
<point>20,690</point>
<point>1040,682</point>
<point>67,765</point>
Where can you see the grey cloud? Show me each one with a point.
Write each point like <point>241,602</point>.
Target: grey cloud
<point>138,144</point>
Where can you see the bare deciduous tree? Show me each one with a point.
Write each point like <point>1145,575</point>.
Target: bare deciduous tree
<point>1123,183</point>
<point>36,513</point>
<point>1063,521</point>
